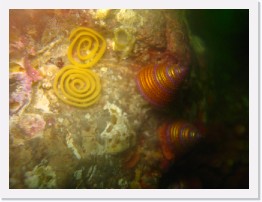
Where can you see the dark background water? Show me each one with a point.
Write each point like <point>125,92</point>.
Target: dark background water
<point>226,35</point>
<point>221,160</point>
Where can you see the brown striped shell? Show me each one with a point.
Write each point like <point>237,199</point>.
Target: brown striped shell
<point>158,83</point>
<point>177,137</point>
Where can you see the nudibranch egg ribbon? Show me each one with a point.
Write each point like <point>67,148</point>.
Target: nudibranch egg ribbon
<point>86,47</point>
<point>77,87</point>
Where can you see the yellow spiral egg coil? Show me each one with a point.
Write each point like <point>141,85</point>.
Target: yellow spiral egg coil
<point>77,87</point>
<point>86,47</point>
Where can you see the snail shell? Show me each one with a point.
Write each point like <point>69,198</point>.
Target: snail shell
<point>176,138</point>
<point>158,83</point>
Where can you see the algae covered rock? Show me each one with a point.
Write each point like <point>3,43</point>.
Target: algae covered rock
<point>42,176</point>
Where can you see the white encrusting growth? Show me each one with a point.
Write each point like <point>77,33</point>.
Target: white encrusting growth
<point>70,145</point>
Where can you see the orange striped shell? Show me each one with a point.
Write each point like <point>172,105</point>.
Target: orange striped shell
<point>158,83</point>
<point>176,138</point>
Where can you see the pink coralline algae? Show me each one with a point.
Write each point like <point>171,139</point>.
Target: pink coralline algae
<point>32,125</point>
<point>31,72</point>
<point>20,87</point>
<point>20,90</point>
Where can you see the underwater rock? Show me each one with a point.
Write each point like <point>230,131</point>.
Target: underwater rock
<point>21,78</point>
<point>59,62</point>
<point>178,40</point>
<point>32,125</point>
<point>71,145</point>
<point>16,66</point>
<point>20,91</point>
<point>102,146</point>
<point>152,33</point>
<point>130,18</point>
<point>31,72</point>
<point>42,102</point>
<point>102,13</point>
<point>48,71</point>
<point>135,183</point>
<point>42,176</point>
<point>118,136</point>
<point>123,183</point>
<point>132,159</point>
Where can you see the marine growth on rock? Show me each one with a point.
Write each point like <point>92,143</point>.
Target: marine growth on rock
<point>20,91</point>
<point>124,41</point>
<point>118,135</point>
<point>32,125</point>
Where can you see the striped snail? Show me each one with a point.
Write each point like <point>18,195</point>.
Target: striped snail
<point>158,83</point>
<point>177,137</point>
